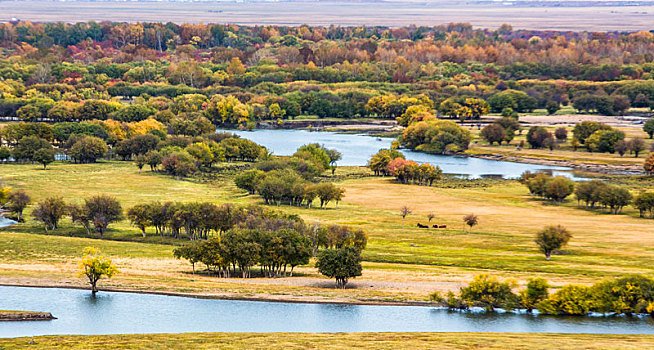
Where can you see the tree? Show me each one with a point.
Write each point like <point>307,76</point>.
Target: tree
<point>95,266</point>
<point>615,198</point>
<point>341,264</point>
<point>552,107</point>
<point>559,188</point>
<point>49,211</point>
<point>249,179</point>
<point>18,200</point>
<point>88,149</point>
<point>470,220</point>
<point>637,145</point>
<point>551,239</point>
<point>537,136</point>
<point>561,134</point>
<point>645,203</point>
<point>493,133</point>
<point>103,210</point>
<point>649,164</point>
<point>27,146</point>
<point>153,159</point>
<point>648,127</point>
<point>191,252</point>
<point>404,211</point>
<point>139,216</point>
<point>622,147</point>
<point>44,156</point>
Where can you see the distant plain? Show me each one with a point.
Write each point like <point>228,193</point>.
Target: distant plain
<point>541,15</point>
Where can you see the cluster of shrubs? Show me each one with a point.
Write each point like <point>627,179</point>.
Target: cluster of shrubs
<point>292,180</point>
<point>501,130</point>
<point>392,162</point>
<point>441,136</point>
<point>546,186</point>
<point>628,295</point>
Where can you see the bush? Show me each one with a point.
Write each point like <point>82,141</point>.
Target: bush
<point>615,197</point>
<point>645,203</point>
<point>626,295</point>
<point>569,300</point>
<point>559,188</point>
<point>604,140</point>
<point>487,292</point>
<point>535,293</point>
<point>551,239</point>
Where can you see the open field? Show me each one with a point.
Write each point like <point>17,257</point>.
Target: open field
<point>535,15</point>
<point>400,264</point>
<point>336,341</point>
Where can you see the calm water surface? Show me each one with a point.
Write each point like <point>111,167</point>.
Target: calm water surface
<point>357,149</point>
<point>129,313</point>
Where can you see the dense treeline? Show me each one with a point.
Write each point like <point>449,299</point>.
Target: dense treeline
<point>629,295</point>
<point>190,76</point>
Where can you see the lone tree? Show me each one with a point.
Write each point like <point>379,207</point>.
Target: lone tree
<point>342,264</point>
<point>470,220</point>
<point>95,266</point>
<point>404,211</point>
<point>551,239</point>
<point>44,156</point>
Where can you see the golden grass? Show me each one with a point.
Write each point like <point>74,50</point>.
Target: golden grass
<point>446,341</point>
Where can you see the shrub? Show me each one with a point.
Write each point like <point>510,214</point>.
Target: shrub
<point>551,239</point>
<point>49,211</point>
<point>569,300</point>
<point>649,164</point>
<point>559,188</point>
<point>626,295</point>
<point>645,203</point>
<point>435,137</point>
<point>487,292</point>
<point>535,293</point>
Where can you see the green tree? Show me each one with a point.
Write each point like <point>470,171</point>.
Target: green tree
<point>341,264</point>
<point>493,133</point>
<point>95,266</point>
<point>551,239</point>
<point>44,156</point>
<point>139,216</point>
<point>559,188</point>
<point>88,149</point>
<point>648,127</point>
<point>487,292</point>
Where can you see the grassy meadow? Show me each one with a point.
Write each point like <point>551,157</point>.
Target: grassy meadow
<point>401,264</point>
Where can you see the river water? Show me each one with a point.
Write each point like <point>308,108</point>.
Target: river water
<point>130,313</point>
<point>357,149</point>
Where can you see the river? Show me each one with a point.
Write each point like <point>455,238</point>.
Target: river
<point>357,149</point>
<point>129,313</point>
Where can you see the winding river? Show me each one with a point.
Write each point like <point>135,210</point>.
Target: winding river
<point>357,149</point>
<point>129,313</point>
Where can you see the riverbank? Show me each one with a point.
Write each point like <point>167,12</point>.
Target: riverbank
<point>12,315</point>
<point>445,341</point>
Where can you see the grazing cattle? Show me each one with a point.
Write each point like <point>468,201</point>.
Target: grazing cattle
<point>442,226</point>
<point>435,226</point>
<point>423,226</point>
